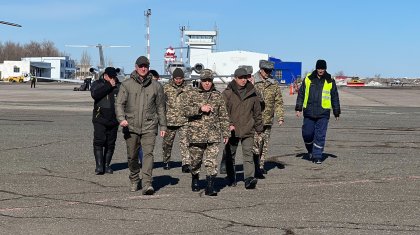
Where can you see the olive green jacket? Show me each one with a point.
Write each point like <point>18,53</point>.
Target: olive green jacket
<point>142,104</point>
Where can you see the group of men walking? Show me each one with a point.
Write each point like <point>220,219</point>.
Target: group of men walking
<point>204,117</point>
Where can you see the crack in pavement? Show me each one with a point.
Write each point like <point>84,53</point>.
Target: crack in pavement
<point>33,146</point>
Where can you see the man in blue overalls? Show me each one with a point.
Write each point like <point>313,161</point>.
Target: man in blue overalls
<point>318,94</point>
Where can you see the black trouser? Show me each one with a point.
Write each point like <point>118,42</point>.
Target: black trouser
<point>104,136</point>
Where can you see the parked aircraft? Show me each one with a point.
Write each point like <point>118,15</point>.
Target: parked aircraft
<point>172,63</point>
<point>189,77</point>
<point>97,70</point>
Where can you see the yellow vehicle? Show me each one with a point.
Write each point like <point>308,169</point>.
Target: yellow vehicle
<point>19,79</point>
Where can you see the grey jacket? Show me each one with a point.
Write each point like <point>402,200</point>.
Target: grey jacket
<point>142,104</point>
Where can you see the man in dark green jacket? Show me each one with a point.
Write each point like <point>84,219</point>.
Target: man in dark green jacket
<point>244,110</point>
<point>140,108</point>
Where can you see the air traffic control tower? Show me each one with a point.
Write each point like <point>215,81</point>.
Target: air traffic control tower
<point>200,44</point>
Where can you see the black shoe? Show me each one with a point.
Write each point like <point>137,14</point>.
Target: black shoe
<point>194,183</point>
<point>166,166</point>
<point>149,190</point>
<point>108,170</point>
<point>317,161</point>
<point>231,182</point>
<point>264,171</point>
<point>210,191</point>
<point>250,183</point>
<point>186,168</point>
<point>259,174</point>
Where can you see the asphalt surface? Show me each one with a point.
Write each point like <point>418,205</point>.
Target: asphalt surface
<point>369,182</point>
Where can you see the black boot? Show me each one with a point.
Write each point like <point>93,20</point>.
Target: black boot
<point>210,191</point>
<point>194,183</point>
<point>108,158</point>
<point>231,171</point>
<point>223,166</point>
<point>99,158</point>
<point>186,168</point>
<point>166,166</point>
<point>258,172</point>
<point>250,183</point>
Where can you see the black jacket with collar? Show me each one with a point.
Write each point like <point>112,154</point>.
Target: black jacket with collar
<point>104,108</point>
<point>314,108</point>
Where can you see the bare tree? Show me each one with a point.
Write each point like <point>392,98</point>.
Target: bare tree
<point>32,49</point>
<point>14,51</point>
<point>48,49</point>
<point>85,64</point>
<point>109,63</point>
<point>85,59</point>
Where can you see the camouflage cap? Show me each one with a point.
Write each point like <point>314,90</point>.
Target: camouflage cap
<point>265,64</point>
<point>206,74</point>
<point>248,68</point>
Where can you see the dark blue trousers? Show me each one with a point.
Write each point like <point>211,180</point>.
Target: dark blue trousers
<point>314,132</point>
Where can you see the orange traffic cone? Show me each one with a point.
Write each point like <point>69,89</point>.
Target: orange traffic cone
<point>291,90</point>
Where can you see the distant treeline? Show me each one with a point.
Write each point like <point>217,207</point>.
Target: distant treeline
<point>15,51</point>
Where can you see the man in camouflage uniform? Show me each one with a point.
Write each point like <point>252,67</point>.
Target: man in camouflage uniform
<point>207,122</point>
<point>175,120</point>
<point>271,103</point>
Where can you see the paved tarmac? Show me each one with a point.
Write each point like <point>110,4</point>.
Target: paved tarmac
<point>369,182</point>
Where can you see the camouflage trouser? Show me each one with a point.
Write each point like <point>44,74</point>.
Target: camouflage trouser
<point>207,151</point>
<point>260,147</point>
<point>168,141</point>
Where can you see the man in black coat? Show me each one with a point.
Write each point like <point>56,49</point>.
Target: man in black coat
<point>104,121</point>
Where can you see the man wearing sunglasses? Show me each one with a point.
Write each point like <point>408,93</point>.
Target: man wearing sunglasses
<point>244,112</point>
<point>271,104</point>
<point>140,108</point>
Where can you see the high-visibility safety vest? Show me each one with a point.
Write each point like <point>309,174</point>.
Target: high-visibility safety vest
<point>326,93</point>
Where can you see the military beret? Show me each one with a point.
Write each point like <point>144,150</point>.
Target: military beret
<point>265,64</point>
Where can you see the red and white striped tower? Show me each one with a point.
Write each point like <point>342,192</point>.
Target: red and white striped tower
<point>169,57</point>
<point>148,13</point>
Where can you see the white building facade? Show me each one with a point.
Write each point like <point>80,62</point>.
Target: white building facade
<point>201,49</point>
<point>61,67</point>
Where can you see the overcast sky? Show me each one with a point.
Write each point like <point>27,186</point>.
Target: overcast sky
<point>360,38</point>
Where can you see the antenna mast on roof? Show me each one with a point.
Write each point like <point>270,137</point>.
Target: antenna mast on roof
<point>147,14</point>
<point>182,28</point>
